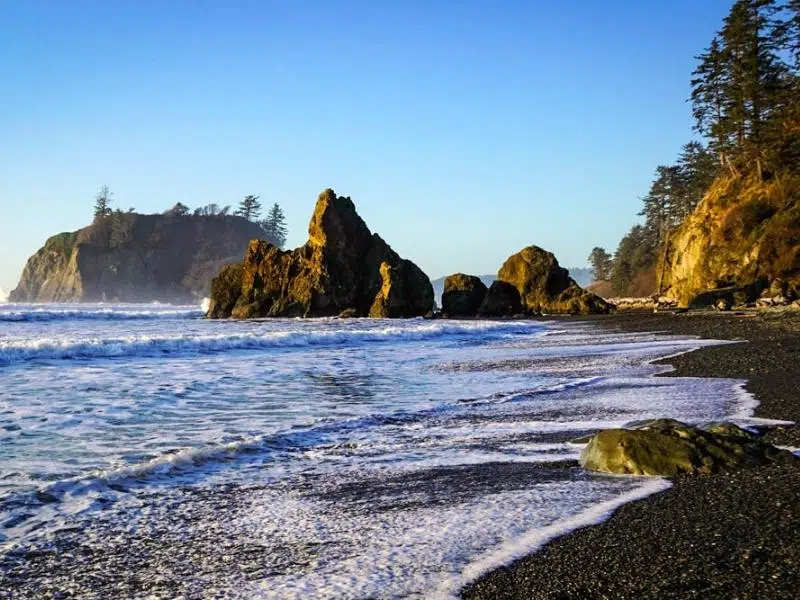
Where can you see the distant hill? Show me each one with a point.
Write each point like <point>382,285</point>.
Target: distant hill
<point>130,257</point>
<point>582,275</point>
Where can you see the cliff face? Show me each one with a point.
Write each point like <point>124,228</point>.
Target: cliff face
<point>129,257</point>
<point>744,235</point>
<point>342,268</point>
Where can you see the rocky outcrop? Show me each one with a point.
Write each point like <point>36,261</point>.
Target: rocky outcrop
<point>463,295</point>
<point>666,447</point>
<point>129,257</point>
<point>502,300</point>
<point>342,269</point>
<point>544,287</point>
<point>743,238</point>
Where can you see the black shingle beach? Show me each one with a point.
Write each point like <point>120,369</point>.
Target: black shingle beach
<point>723,536</point>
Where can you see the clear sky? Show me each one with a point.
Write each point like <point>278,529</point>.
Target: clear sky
<point>463,131</point>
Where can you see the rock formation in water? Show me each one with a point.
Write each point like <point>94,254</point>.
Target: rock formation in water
<point>666,447</point>
<point>129,257</point>
<point>502,300</point>
<point>543,287</point>
<point>741,240</point>
<point>342,268</point>
<point>463,295</point>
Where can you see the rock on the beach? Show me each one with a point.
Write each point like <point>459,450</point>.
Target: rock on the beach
<point>342,267</point>
<point>666,447</point>
<point>501,300</point>
<point>546,287</point>
<point>722,304</point>
<point>463,295</point>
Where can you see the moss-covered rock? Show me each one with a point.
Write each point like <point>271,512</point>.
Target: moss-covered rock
<point>545,287</point>
<point>343,266</point>
<point>463,295</point>
<point>667,447</point>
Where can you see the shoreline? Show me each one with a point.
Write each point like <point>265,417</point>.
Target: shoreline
<point>721,536</point>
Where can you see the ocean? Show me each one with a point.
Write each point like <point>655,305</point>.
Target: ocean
<point>143,447</point>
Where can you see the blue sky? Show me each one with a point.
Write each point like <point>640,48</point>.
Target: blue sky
<point>463,131</point>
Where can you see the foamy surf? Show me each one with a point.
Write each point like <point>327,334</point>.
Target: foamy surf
<point>159,345</point>
<point>101,314</point>
<point>313,458</point>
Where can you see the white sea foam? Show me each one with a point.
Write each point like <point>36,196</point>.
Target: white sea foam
<point>51,348</point>
<point>416,416</point>
<point>3,296</point>
<point>102,314</point>
<point>533,540</point>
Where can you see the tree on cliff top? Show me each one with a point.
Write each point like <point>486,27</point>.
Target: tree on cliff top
<point>275,226</point>
<point>601,262</point>
<point>179,210</point>
<point>102,203</point>
<point>249,208</point>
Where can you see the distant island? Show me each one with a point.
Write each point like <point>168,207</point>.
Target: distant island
<point>132,257</point>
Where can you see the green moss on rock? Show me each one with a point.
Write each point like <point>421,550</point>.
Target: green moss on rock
<point>666,447</point>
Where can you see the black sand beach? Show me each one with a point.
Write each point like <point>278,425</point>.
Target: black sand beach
<point>724,536</point>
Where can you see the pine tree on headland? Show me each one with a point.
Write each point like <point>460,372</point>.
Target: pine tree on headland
<point>275,226</point>
<point>698,168</point>
<point>249,208</point>
<point>708,81</point>
<point>792,33</point>
<point>601,263</point>
<point>102,203</point>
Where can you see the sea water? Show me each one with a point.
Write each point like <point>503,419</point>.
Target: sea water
<point>321,458</point>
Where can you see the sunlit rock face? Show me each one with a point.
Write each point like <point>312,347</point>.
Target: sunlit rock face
<point>342,267</point>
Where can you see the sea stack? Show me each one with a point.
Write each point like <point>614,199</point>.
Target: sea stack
<point>532,281</point>
<point>342,268</point>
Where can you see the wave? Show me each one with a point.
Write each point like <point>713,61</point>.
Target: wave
<point>105,314</point>
<point>20,351</point>
<point>326,434</point>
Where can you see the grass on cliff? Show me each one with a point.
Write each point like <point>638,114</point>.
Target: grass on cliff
<point>749,211</point>
<point>62,243</point>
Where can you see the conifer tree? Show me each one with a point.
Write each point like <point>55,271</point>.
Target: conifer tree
<point>792,34</point>
<point>601,262</point>
<point>102,203</point>
<point>698,168</point>
<point>707,97</point>
<point>275,226</point>
<point>249,208</point>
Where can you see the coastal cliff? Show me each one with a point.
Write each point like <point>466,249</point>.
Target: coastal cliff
<point>130,257</point>
<point>744,236</point>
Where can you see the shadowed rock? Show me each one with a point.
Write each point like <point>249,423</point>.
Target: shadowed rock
<point>501,300</point>
<point>666,447</point>
<point>463,295</point>
<point>342,267</point>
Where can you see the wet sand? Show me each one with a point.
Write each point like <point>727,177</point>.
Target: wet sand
<point>723,536</point>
